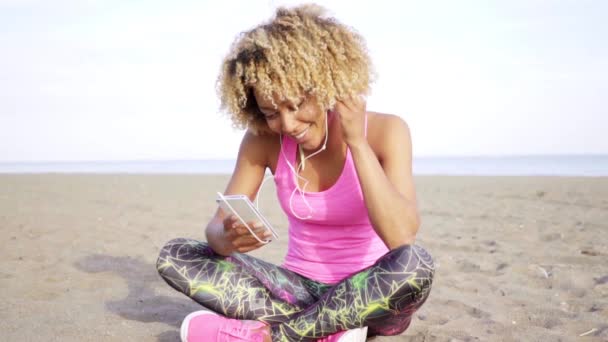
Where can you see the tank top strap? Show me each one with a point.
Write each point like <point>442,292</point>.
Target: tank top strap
<point>285,163</point>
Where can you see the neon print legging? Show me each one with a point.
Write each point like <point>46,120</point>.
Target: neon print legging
<point>382,297</point>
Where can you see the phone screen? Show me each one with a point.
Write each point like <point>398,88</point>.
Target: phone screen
<point>244,210</point>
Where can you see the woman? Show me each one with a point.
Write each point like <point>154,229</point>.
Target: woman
<point>343,178</point>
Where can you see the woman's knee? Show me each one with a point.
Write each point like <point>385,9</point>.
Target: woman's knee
<point>180,249</point>
<point>415,265</point>
<point>409,270</point>
<point>411,258</point>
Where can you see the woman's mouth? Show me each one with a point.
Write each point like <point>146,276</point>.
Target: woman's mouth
<point>301,135</point>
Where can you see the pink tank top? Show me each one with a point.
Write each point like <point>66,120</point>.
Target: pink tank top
<point>339,239</point>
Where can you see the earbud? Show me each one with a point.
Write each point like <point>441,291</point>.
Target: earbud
<point>300,167</point>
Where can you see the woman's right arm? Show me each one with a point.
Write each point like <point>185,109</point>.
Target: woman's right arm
<point>225,234</point>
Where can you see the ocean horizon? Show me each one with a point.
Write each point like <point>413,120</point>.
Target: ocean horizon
<point>536,165</point>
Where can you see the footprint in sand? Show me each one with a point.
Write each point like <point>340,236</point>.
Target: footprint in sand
<point>544,318</point>
<point>467,266</point>
<point>501,266</point>
<point>470,310</point>
<point>552,237</point>
<point>601,280</point>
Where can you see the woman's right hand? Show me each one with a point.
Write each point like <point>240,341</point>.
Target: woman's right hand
<point>240,239</point>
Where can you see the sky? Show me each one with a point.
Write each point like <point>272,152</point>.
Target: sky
<point>135,80</point>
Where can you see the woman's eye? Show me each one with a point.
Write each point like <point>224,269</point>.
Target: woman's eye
<point>271,116</point>
<point>296,107</point>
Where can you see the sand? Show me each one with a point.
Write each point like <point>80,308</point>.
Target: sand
<point>518,258</point>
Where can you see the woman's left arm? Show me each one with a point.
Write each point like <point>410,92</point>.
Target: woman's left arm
<point>385,175</point>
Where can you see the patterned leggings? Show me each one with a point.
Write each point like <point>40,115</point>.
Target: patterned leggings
<point>382,297</point>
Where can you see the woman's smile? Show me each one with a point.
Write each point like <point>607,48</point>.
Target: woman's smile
<point>300,136</point>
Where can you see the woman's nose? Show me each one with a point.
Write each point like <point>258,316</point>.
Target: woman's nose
<point>288,122</point>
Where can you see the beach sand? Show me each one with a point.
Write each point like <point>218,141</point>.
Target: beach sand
<point>518,258</point>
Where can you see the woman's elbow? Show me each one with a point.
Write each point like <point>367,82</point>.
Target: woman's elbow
<point>408,233</point>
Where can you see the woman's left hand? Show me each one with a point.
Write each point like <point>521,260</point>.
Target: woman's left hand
<point>351,113</point>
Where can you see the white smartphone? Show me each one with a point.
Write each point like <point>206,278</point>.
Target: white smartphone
<point>241,207</point>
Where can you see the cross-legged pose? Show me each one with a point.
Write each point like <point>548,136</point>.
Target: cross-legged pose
<point>343,176</point>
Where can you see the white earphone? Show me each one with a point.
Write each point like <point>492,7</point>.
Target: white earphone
<point>296,172</point>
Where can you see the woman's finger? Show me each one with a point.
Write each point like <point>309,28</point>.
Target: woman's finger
<point>250,248</point>
<point>249,238</point>
<point>246,241</point>
<point>230,221</point>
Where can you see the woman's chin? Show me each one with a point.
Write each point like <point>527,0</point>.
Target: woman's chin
<point>312,146</point>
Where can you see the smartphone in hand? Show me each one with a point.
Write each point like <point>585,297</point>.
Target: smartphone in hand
<point>241,207</point>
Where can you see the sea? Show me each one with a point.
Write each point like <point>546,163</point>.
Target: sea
<point>536,165</point>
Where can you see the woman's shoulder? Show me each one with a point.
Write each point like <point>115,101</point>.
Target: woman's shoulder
<point>260,140</point>
<point>259,147</point>
<point>384,120</point>
<point>385,130</point>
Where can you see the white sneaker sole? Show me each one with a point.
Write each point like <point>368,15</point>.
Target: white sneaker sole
<point>355,335</point>
<point>183,333</point>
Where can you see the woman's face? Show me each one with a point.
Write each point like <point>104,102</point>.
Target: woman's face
<point>303,121</point>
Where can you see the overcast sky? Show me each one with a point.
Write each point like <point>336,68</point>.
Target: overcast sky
<point>132,80</point>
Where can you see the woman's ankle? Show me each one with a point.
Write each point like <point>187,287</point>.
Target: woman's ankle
<point>266,333</point>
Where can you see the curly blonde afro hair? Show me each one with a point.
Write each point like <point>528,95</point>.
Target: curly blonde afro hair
<point>299,52</point>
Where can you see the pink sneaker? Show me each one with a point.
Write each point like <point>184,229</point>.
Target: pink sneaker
<point>353,335</point>
<point>204,325</point>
